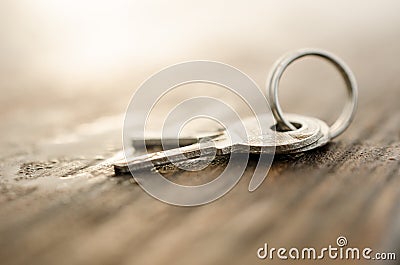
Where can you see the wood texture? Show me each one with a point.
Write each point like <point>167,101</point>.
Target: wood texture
<point>60,205</point>
<point>73,211</point>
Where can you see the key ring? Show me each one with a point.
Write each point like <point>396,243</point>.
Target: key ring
<point>348,112</point>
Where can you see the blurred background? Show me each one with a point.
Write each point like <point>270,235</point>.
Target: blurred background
<point>64,63</point>
<point>69,68</point>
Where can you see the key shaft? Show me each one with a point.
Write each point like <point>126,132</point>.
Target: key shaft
<point>161,158</point>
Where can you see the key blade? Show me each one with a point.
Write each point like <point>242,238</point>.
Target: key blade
<point>154,139</point>
<point>161,158</point>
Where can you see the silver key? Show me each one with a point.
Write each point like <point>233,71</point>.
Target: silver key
<point>309,133</point>
<point>153,139</point>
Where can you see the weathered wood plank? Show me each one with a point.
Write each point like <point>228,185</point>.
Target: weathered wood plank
<point>59,204</point>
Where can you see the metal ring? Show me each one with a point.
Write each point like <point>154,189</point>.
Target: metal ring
<point>348,112</point>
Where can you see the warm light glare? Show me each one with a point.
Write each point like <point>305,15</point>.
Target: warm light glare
<point>88,39</point>
<point>93,35</point>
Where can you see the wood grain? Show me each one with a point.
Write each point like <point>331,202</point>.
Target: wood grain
<point>74,211</point>
<point>59,203</point>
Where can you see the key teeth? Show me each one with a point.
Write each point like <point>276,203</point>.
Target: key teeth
<point>120,170</point>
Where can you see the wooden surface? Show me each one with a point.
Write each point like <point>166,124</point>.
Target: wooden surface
<point>59,204</point>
